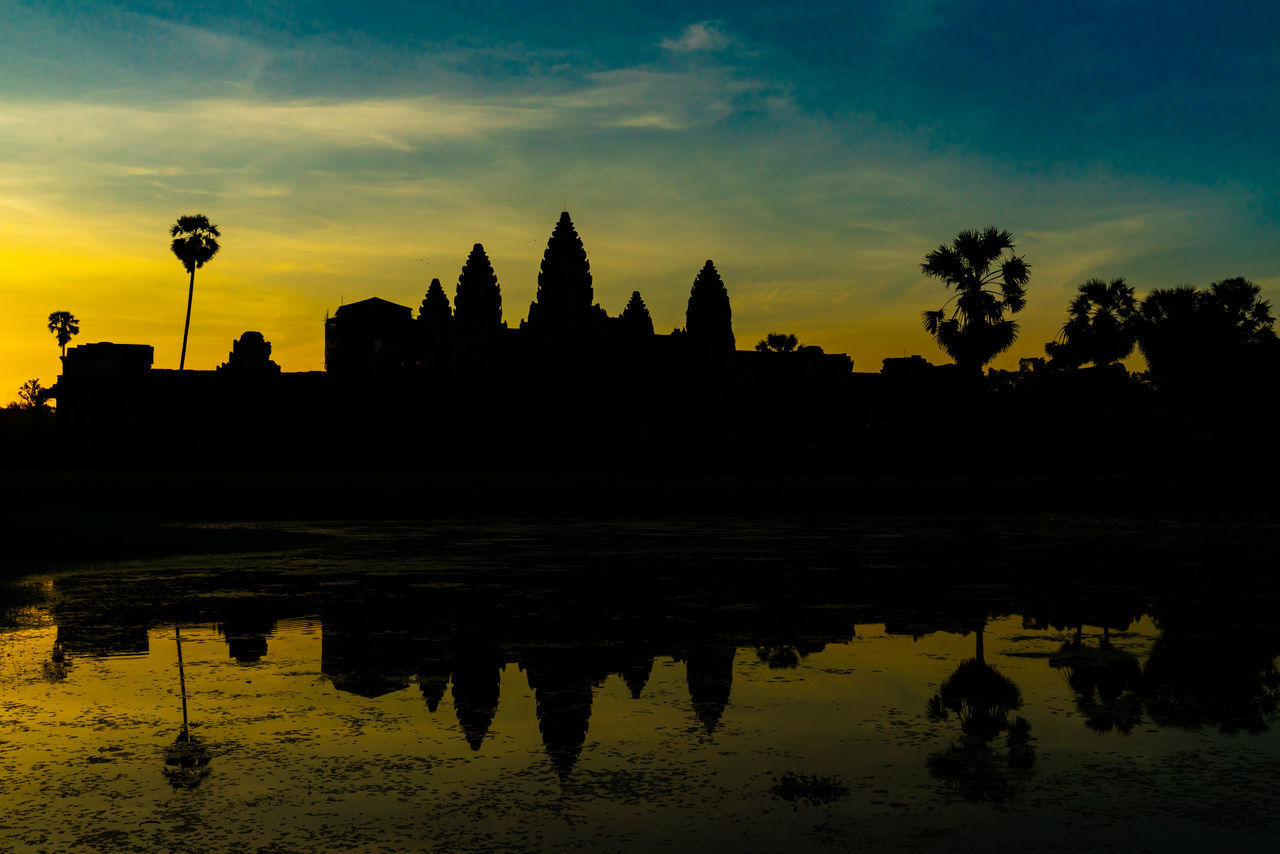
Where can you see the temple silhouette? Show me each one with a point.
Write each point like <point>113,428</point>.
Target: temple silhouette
<point>454,386</point>
<point>463,376</point>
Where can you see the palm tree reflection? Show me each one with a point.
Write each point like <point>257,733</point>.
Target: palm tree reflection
<point>186,761</point>
<point>981,698</point>
<point>1105,681</point>
<point>1195,678</point>
<point>55,669</point>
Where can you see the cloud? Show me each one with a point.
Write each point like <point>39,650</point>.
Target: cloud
<point>165,138</point>
<point>697,38</point>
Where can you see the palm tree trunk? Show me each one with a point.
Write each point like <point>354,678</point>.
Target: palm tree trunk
<point>191,290</point>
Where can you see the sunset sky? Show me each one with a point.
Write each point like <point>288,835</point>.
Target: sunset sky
<point>815,152</point>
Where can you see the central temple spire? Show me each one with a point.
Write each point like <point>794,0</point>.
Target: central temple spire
<point>564,282</point>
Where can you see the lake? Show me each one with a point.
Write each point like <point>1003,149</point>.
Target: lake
<point>823,684</point>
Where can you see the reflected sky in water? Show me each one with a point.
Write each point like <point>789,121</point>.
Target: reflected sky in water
<point>447,688</point>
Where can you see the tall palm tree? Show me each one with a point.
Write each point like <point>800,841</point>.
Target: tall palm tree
<point>63,325</point>
<point>1101,325</point>
<point>988,283</point>
<point>194,242</point>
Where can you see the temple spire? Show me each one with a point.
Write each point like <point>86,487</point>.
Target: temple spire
<point>709,320</point>
<point>565,293</point>
<point>478,301</point>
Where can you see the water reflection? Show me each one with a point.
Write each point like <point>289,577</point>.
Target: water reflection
<point>1106,682</point>
<point>186,761</point>
<point>897,690</point>
<point>1214,665</point>
<point>981,698</point>
<point>389,632</point>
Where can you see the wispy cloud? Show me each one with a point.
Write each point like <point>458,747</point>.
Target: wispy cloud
<point>704,36</point>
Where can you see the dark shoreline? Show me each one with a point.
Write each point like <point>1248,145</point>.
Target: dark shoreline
<point>68,516</point>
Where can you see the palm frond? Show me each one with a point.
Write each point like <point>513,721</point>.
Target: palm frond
<point>946,264</point>
<point>1015,297</point>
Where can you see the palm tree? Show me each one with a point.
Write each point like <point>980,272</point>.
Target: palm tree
<point>987,283</point>
<point>1101,325</point>
<point>778,342</point>
<point>1200,336</point>
<point>1239,309</point>
<point>194,243</point>
<point>63,325</point>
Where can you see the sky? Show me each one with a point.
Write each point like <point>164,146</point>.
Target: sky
<point>815,153</point>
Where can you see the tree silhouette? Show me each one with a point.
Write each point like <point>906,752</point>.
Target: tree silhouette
<point>1193,336</point>
<point>708,319</point>
<point>988,283</point>
<point>64,326</point>
<point>477,304</point>
<point>31,396</point>
<point>194,243</point>
<point>564,280</point>
<point>1101,325</point>
<point>777,342</point>
<point>635,317</point>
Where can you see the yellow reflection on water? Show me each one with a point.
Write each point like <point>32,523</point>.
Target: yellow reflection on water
<point>298,763</point>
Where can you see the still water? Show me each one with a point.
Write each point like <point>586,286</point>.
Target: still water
<point>777,686</point>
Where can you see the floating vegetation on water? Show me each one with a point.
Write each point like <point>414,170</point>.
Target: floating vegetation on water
<point>186,761</point>
<point>811,789</point>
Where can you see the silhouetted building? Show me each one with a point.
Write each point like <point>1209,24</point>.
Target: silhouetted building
<point>250,354</point>
<point>636,324</point>
<point>372,336</point>
<point>477,305</point>
<point>906,366</point>
<point>564,302</point>
<point>454,377</point>
<point>708,319</point>
<point>435,322</point>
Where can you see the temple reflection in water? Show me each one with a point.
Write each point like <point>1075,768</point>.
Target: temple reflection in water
<point>652,685</point>
<point>568,632</point>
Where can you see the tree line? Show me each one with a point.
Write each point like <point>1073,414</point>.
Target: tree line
<point>1186,334</point>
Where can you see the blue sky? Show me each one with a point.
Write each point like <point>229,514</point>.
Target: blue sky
<point>815,153</point>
